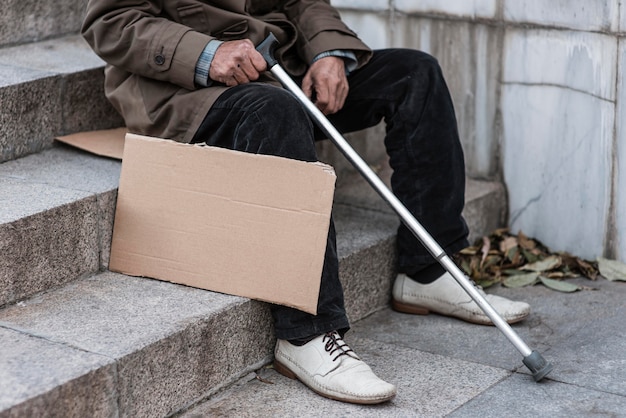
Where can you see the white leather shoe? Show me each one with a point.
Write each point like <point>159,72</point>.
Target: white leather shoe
<point>446,297</point>
<point>329,367</point>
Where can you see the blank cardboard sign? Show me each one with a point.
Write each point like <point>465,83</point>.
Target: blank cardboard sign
<point>238,223</point>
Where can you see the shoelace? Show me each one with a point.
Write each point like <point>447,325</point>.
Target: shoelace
<point>335,344</point>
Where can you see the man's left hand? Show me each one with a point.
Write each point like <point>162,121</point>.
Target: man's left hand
<point>327,79</point>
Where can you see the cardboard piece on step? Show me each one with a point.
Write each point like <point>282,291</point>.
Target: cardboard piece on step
<point>106,143</point>
<point>237,223</point>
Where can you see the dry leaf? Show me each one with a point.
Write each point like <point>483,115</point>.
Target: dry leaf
<point>546,264</point>
<point>559,285</point>
<point>468,251</point>
<point>485,249</point>
<point>521,280</point>
<point>588,269</point>
<point>525,242</point>
<point>261,379</point>
<point>612,270</point>
<point>507,244</point>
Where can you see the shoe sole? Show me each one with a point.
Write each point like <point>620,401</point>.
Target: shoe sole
<point>418,310</point>
<point>410,309</point>
<point>286,371</point>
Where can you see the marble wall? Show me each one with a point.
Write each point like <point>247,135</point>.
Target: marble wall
<point>539,95</point>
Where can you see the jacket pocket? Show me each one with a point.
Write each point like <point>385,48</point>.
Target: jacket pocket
<point>194,16</point>
<point>234,31</point>
<point>311,28</point>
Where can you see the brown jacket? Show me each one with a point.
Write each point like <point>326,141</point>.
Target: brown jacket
<point>152,46</point>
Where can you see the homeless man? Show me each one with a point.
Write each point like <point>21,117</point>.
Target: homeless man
<point>187,70</point>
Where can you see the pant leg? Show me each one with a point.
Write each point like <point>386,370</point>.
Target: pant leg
<point>406,88</point>
<point>264,119</point>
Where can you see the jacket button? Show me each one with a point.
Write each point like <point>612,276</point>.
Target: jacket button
<point>159,59</point>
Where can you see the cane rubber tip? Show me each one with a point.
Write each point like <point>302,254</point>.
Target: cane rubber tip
<point>538,366</point>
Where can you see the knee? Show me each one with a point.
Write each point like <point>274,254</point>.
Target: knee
<point>276,103</point>
<point>284,122</point>
<point>421,74</point>
<point>423,65</point>
<point>424,59</point>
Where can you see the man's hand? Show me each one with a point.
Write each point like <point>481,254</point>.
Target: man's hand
<point>327,80</point>
<point>236,62</point>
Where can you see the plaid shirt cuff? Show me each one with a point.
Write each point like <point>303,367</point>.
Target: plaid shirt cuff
<point>348,57</point>
<point>204,63</point>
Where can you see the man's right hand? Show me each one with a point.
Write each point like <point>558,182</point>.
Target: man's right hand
<point>236,62</point>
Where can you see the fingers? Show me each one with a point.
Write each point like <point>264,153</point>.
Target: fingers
<point>257,61</point>
<point>242,75</point>
<point>330,96</point>
<point>327,84</point>
<point>307,85</point>
<point>236,62</point>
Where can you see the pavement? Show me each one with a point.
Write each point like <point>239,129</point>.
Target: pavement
<point>448,368</point>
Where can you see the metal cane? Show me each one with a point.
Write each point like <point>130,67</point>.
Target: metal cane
<point>538,366</point>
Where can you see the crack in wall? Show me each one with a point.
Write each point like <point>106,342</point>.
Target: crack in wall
<point>516,214</point>
<point>560,86</point>
<point>552,176</point>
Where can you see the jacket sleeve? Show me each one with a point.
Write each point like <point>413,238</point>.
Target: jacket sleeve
<point>130,35</point>
<point>320,29</point>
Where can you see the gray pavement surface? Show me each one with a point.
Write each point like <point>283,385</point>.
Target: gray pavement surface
<point>445,367</point>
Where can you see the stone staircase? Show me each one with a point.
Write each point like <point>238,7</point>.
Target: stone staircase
<point>79,341</point>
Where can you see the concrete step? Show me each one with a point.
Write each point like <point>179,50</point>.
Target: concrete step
<point>56,220</point>
<point>50,88</point>
<point>111,345</point>
<point>30,21</point>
